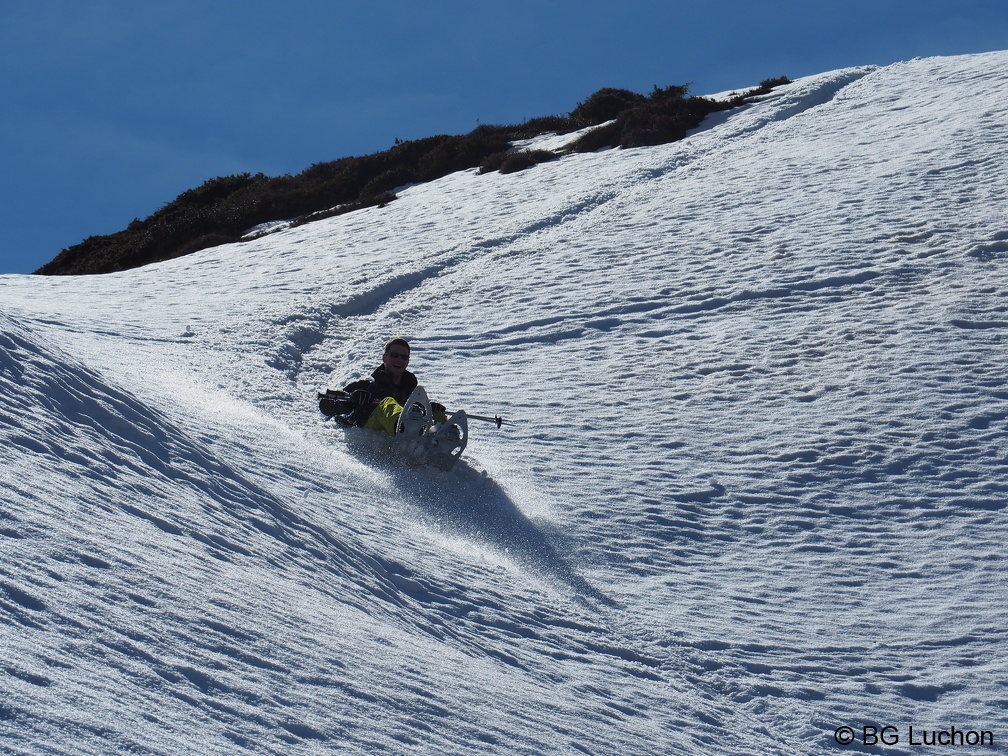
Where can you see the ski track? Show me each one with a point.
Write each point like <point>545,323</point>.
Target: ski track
<point>756,491</point>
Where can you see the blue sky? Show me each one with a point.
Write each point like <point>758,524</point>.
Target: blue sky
<point>111,108</point>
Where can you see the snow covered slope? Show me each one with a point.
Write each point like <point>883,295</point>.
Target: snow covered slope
<point>757,490</point>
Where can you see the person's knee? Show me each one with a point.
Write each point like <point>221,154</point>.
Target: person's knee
<point>385,416</point>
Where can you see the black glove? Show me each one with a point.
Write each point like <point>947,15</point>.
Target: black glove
<point>361,398</point>
<point>438,408</point>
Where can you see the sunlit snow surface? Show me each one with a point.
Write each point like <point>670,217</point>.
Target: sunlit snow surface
<point>756,491</point>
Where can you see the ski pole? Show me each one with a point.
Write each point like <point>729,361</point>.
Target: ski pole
<point>498,419</point>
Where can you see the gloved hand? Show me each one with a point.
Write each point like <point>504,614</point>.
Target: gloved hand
<point>438,408</point>
<point>361,398</point>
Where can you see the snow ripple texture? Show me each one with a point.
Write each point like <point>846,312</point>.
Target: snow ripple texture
<point>757,488</point>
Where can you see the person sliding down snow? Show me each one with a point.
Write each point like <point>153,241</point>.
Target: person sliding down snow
<point>378,401</point>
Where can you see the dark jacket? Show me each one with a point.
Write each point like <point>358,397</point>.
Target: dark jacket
<point>378,387</point>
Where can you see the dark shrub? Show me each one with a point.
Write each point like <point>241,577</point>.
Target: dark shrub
<point>605,105</point>
<point>512,162</point>
<point>462,152</point>
<point>203,242</point>
<point>604,137</point>
<point>674,93</point>
<point>663,120</point>
<point>536,126</point>
<point>767,84</point>
<point>389,181</point>
<point>493,162</point>
<point>375,200</point>
<point>223,208</point>
<point>666,116</point>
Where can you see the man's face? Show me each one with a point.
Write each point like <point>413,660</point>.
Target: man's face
<point>395,359</point>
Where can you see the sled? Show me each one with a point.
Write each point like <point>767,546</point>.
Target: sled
<point>419,441</point>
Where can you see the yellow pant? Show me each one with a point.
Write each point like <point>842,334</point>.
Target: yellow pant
<point>385,416</point>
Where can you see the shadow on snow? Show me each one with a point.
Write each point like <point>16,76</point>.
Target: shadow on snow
<point>467,502</point>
